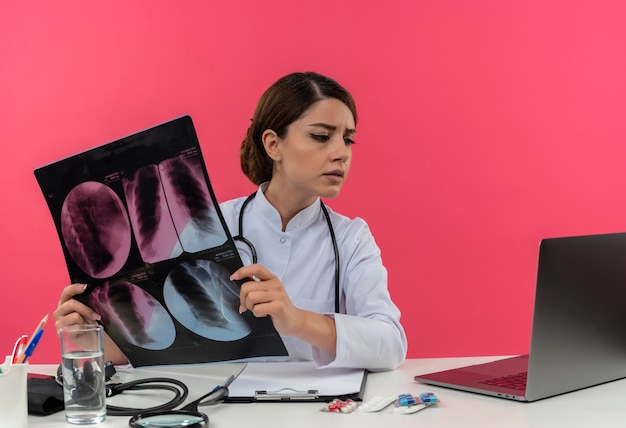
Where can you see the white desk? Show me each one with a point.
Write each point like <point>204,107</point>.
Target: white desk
<point>601,406</point>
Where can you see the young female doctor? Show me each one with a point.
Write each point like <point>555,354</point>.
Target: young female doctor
<point>316,273</point>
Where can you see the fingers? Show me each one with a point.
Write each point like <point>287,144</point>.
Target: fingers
<point>70,311</point>
<point>261,302</point>
<point>264,295</point>
<point>258,279</point>
<point>70,291</point>
<point>269,298</point>
<point>254,274</point>
<point>255,271</point>
<point>252,293</point>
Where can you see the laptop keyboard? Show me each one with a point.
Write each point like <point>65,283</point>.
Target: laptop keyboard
<point>515,381</point>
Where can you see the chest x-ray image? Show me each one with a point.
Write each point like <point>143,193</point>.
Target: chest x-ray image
<point>138,222</point>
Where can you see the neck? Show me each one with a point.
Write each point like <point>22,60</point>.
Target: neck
<point>287,203</point>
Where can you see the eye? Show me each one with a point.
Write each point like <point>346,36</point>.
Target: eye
<point>320,137</point>
<point>349,141</point>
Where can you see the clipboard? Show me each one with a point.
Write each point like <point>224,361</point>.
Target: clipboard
<point>296,382</point>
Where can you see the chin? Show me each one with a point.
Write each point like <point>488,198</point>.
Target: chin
<point>330,193</point>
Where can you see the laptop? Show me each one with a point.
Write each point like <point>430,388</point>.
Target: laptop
<point>579,326</point>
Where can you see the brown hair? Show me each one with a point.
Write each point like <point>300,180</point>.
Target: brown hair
<point>281,104</point>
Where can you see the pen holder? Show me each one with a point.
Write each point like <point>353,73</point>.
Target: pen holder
<point>13,394</point>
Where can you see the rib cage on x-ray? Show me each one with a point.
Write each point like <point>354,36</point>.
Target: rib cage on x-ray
<point>199,294</point>
<point>171,209</point>
<point>205,300</point>
<point>149,214</point>
<point>95,229</point>
<point>134,314</point>
<point>189,191</point>
<point>189,199</point>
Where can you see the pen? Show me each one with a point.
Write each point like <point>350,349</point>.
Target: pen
<point>31,347</point>
<point>18,349</point>
<point>226,383</point>
<point>36,334</point>
<point>40,326</point>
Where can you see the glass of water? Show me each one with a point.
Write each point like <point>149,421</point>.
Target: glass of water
<point>82,353</point>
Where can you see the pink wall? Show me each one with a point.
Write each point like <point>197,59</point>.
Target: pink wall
<point>484,126</point>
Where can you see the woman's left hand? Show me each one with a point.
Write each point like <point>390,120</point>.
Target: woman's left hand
<point>265,295</point>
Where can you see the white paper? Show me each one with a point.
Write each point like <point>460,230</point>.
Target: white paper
<point>289,378</point>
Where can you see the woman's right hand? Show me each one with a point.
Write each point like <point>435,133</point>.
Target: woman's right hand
<point>70,311</point>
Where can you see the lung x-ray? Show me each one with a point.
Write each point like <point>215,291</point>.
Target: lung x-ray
<point>139,223</point>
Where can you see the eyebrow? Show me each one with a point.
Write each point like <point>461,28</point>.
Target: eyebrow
<point>331,127</point>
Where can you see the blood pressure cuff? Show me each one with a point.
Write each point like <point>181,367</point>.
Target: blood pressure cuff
<point>45,396</point>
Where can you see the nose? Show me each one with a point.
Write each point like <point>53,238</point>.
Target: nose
<point>340,150</point>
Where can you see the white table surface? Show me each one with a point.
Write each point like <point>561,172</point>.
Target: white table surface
<point>600,406</point>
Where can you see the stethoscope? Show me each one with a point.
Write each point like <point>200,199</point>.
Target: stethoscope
<point>241,238</point>
<point>162,415</point>
<point>188,416</point>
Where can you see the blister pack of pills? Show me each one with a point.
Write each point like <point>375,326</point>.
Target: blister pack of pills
<point>403,404</point>
<point>407,403</point>
<point>340,406</point>
<point>376,404</point>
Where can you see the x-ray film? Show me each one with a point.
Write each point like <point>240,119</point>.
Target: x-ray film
<point>139,223</point>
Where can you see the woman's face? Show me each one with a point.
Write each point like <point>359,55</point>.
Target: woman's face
<point>313,158</point>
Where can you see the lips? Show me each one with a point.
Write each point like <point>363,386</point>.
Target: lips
<point>335,173</point>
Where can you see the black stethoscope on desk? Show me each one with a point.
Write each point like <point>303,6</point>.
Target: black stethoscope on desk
<point>241,238</point>
<point>163,415</point>
<point>188,416</point>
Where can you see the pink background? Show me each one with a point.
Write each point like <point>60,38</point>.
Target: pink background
<point>484,127</point>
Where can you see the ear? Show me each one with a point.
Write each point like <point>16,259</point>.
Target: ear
<point>271,144</point>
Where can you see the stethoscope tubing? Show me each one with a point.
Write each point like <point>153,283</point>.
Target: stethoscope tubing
<point>239,237</point>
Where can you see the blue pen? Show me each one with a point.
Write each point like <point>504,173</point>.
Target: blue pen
<point>22,357</point>
<point>31,346</point>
